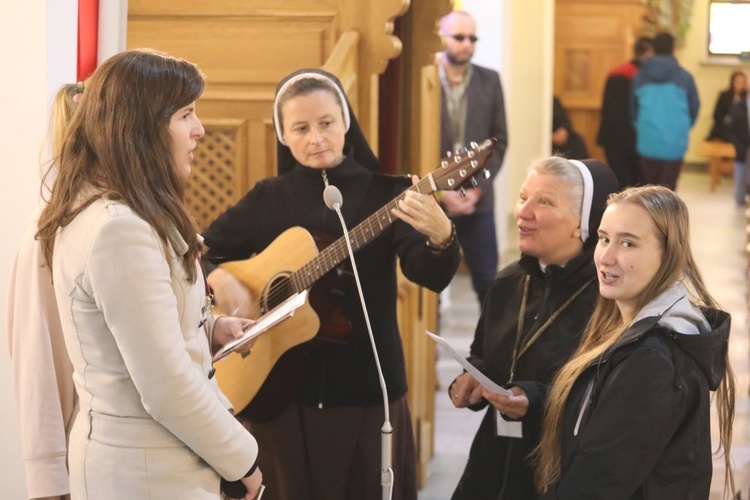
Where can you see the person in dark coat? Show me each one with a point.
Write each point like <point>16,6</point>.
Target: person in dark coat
<point>616,133</point>
<point>325,443</point>
<point>738,132</point>
<point>736,93</point>
<point>532,319</point>
<point>629,415</point>
<point>565,140</point>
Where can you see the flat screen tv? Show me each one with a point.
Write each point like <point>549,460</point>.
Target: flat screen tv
<point>729,28</point>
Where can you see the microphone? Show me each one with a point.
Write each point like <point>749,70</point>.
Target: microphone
<point>333,200</point>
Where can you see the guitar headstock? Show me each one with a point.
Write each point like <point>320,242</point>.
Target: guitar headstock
<point>457,170</point>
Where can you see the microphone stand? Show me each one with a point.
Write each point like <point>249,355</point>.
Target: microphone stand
<point>334,200</point>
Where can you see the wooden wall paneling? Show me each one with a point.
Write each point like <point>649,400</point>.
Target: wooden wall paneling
<point>344,63</point>
<point>421,95</point>
<point>238,52</point>
<point>419,153</point>
<point>217,181</point>
<point>373,20</point>
<point>419,356</point>
<point>591,38</point>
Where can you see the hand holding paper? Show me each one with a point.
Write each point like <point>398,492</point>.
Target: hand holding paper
<point>483,380</point>
<point>263,324</point>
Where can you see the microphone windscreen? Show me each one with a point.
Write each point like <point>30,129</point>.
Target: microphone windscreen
<point>332,197</point>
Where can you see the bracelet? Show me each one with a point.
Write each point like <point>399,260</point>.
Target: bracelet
<point>443,246</point>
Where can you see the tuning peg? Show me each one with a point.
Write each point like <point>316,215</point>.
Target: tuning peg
<point>474,182</point>
<point>486,174</point>
<point>473,145</point>
<point>448,153</point>
<point>462,192</point>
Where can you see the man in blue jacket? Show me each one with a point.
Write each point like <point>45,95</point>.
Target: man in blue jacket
<point>664,107</point>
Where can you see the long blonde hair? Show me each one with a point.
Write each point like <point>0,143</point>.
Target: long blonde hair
<point>606,326</point>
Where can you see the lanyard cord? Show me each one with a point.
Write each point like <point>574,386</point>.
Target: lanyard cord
<point>516,353</point>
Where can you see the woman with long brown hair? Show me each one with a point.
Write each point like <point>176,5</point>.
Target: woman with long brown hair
<point>123,250</point>
<point>629,415</point>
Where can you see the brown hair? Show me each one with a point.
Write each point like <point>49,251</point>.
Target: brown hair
<point>670,216</point>
<point>118,140</point>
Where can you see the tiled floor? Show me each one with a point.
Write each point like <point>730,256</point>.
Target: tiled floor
<point>718,239</point>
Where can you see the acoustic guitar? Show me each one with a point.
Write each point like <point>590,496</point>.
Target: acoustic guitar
<point>263,382</point>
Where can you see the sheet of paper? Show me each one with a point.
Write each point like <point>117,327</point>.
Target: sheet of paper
<point>265,323</point>
<point>483,380</point>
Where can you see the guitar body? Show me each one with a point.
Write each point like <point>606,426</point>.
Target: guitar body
<point>259,386</point>
<point>262,383</point>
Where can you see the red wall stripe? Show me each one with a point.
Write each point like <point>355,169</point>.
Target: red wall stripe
<point>88,37</point>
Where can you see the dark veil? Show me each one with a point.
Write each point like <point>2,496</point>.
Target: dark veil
<point>354,138</point>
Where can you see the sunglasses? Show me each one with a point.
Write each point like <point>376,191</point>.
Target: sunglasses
<point>461,38</point>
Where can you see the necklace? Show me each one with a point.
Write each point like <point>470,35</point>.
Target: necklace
<point>519,351</point>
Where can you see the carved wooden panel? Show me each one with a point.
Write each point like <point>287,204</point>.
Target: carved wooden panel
<point>419,353</point>
<point>217,181</point>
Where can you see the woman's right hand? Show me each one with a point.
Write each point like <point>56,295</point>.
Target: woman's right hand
<point>253,483</point>
<point>230,296</point>
<point>465,391</point>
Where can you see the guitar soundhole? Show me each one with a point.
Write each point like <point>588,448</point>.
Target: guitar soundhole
<point>278,289</point>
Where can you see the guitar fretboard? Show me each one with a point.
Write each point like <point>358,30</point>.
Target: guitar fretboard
<point>360,236</point>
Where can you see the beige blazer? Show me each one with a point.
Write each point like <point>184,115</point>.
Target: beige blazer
<point>151,422</point>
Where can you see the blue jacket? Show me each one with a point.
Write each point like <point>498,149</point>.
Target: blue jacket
<point>664,106</point>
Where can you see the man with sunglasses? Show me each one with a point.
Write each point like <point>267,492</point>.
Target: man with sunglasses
<point>472,110</point>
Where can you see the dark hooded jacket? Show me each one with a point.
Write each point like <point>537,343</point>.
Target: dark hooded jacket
<point>498,467</point>
<point>637,423</point>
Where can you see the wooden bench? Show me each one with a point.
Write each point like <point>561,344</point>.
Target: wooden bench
<point>721,155</point>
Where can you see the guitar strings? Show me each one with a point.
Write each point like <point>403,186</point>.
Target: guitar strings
<point>334,254</point>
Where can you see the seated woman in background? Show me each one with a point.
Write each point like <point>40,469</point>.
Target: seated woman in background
<point>532,320</point>
<point>565,140</point>
<point>736,93</point>
<point>629,415</point>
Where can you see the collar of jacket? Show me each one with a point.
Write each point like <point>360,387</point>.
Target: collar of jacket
<point>577,269</point>
<point>708,349</point>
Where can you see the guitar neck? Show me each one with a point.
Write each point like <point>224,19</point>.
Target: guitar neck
<point>304,277</point>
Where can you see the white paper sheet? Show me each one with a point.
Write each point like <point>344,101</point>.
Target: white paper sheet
<point>264,323</point>
<point>483,380</point>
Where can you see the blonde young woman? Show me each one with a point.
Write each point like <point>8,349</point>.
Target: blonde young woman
<point>629,415</point>
<point>42,373</point>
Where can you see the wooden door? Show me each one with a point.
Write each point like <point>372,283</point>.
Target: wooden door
<point>591,38</point>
